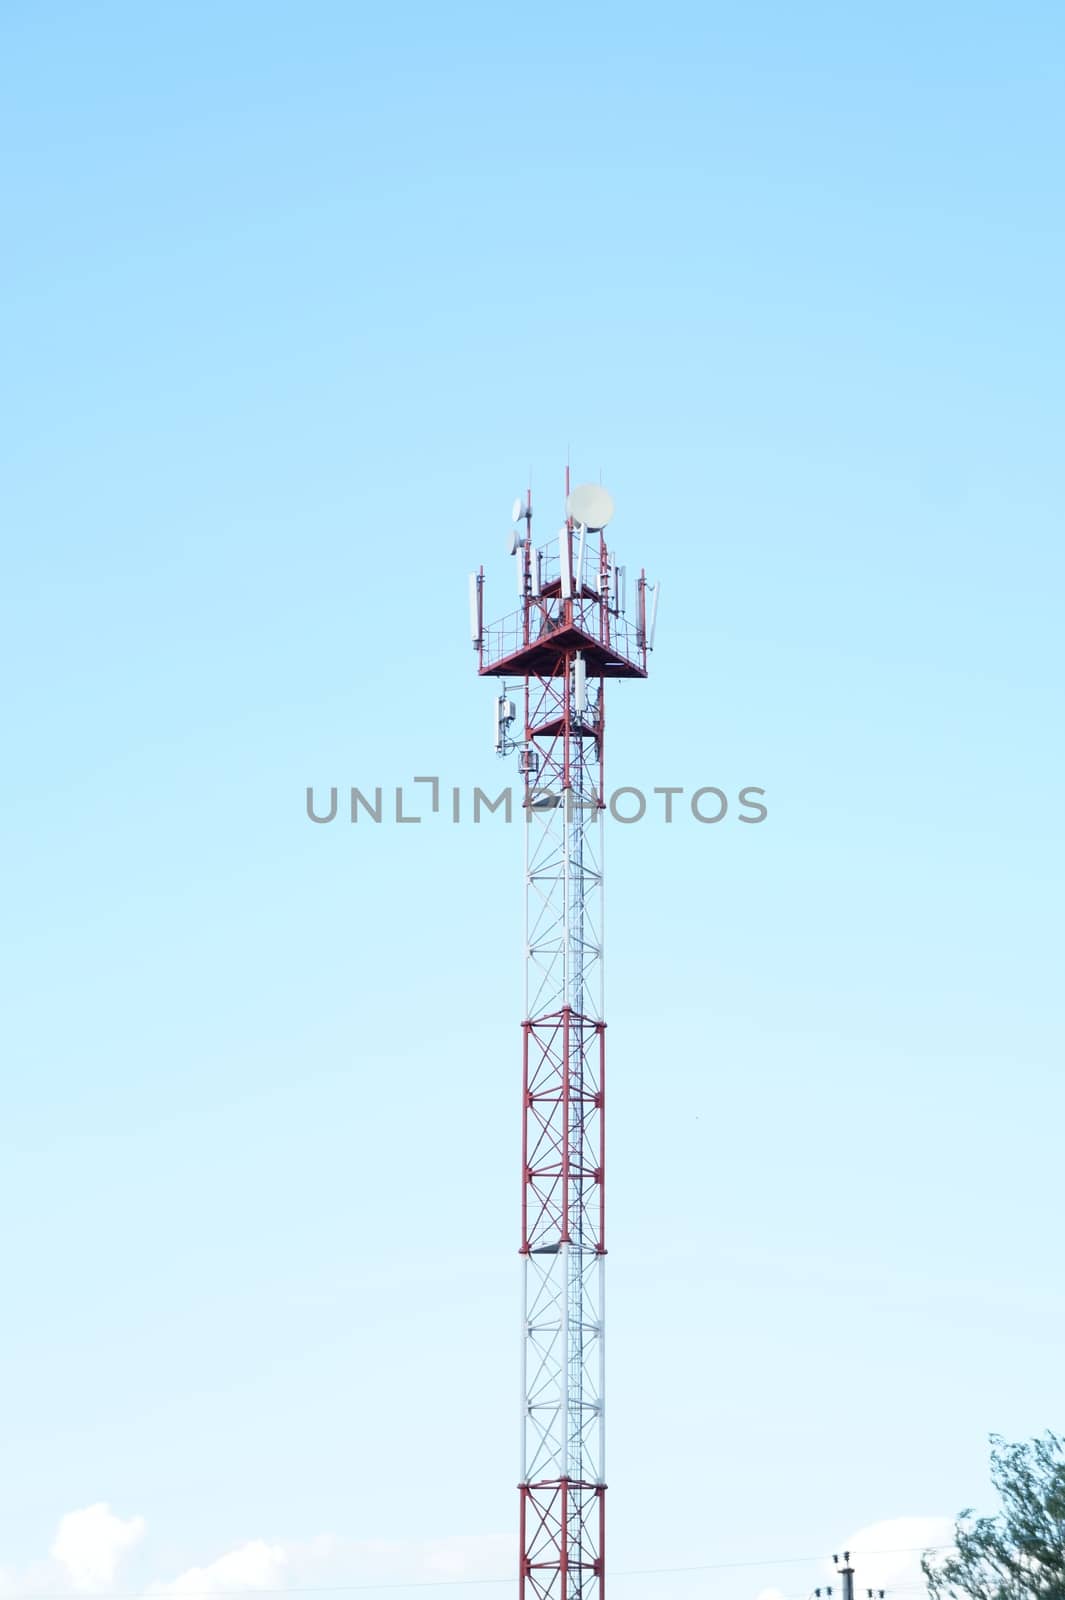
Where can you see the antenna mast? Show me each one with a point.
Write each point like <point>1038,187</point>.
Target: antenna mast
<point>567,639</point>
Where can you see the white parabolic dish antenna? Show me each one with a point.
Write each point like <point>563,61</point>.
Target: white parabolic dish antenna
<point>591,504</point>
<point>517,510</point>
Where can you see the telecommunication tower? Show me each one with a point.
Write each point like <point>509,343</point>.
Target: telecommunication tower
<point>569,636</point>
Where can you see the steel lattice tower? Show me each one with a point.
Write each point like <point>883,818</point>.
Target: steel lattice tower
<point>568,637</point>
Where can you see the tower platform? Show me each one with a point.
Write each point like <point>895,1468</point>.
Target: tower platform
<point>506,654</point>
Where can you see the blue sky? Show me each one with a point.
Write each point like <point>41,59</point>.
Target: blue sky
<point>292,299</point>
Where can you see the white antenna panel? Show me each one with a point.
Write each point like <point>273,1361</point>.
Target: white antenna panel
<point>654,616</point>
<point>504,717</point>
<point>475,608</point>
<point>565,569</point>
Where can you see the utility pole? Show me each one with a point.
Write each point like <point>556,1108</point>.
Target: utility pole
<point>846,1572</point>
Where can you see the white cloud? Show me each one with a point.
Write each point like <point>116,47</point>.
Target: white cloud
<point>255,1565</point>
<point>258,1565</point>
<point>90,1543</point>
<point>332,1560</point>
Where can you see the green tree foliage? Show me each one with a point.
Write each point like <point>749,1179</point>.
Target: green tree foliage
<point>1019,1554</point>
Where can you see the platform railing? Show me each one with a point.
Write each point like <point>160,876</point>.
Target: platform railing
<point>592,617</point>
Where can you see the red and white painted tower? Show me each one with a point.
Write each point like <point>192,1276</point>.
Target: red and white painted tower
<point>569,636</point>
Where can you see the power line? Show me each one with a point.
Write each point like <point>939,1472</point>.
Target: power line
<point>163,1592</point>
